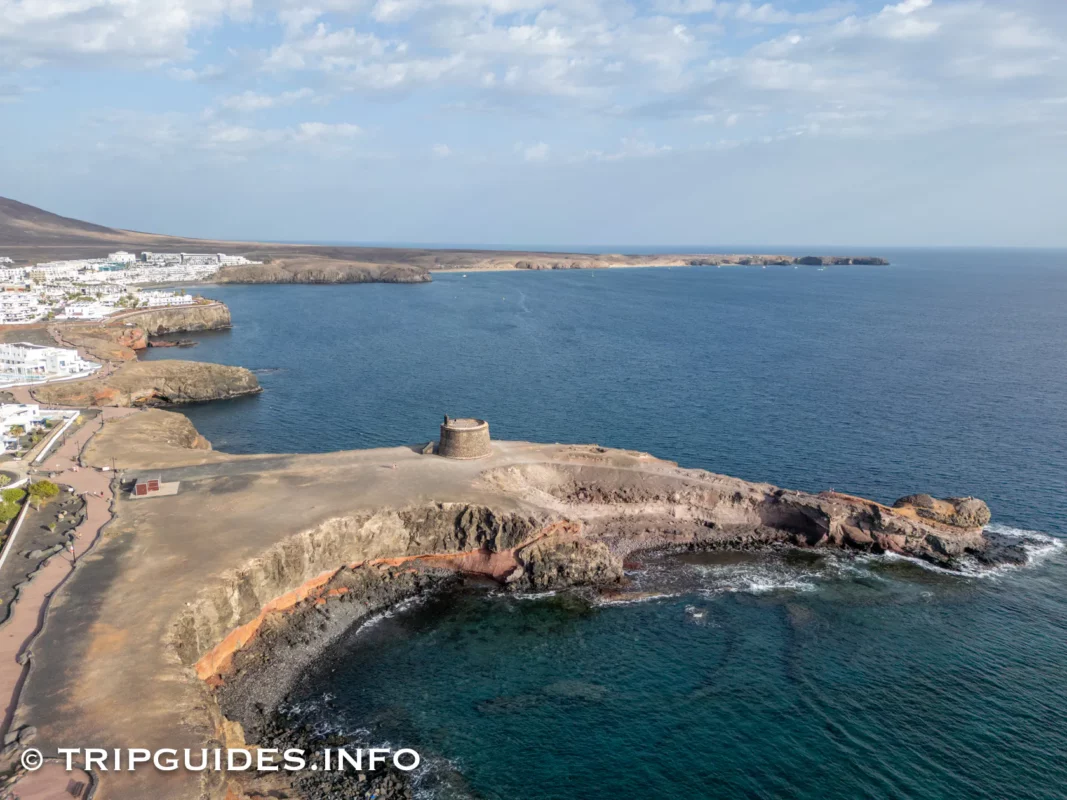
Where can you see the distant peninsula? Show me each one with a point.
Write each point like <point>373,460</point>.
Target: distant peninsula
<point>30,235</point>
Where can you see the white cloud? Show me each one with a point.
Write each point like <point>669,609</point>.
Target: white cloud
<point>189,137</point>
<point>254,101</point>
<point>533,152</point>
<point>203,75</point>
<point>133,32</point>
<point>629,147</point>
<point>320,130</point>
<point>762,69</point>
<point>442,150</point>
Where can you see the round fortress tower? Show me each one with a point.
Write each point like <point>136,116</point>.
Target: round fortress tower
<point>464,438</point>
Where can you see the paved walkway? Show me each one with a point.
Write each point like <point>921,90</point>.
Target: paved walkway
<point>28,613</point>
<point>52,782</point>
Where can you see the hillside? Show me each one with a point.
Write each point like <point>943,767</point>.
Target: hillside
<point>25,225</point>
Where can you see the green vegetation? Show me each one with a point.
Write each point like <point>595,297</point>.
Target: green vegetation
<point>4,480</point>
<point>12,495</point>
<point>8,511</point>
<point>42,491</point>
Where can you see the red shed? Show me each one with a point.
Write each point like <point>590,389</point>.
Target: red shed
<point>146,486</point>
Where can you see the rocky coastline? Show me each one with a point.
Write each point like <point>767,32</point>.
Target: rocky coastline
<point>154,384</point>
<point>591,521</point>
<point>194,318</point>
<point>548,261</point>
<point>128,382</point>
<point>321,270</point>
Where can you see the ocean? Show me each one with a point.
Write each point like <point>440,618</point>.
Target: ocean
<point>745,676</point>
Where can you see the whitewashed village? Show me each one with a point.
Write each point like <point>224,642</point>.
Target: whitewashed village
<point>96,288</point>
<point>88,289</point>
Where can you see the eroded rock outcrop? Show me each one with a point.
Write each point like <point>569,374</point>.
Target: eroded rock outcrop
<point>309,269</point>
<point>841,261</point>
<point>154,384</point>
<point>959,512</point>
<point>181,319</point>
<point>104,342</point>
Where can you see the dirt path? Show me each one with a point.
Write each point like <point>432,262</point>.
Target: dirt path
<point>17,634</point>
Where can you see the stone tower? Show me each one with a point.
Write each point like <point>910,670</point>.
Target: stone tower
<point>464,438</point>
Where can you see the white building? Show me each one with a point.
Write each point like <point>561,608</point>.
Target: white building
<point>121,257</point>
<point>24,362</point>
<point>19,308</point>
<point>86,310</point>
<point>25,416</point>
<point>6,260</point>
<point>55,270</point>
<point>157,299</point>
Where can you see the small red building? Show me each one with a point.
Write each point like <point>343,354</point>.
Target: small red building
<point>145,486</point>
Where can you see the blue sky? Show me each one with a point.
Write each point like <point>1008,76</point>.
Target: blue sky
<point>669,122</point>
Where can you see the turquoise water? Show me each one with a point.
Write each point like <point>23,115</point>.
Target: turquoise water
<point>751,677</point>
<point>821,679</point>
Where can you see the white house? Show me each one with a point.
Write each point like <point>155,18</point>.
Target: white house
<point>86,310</point>
<point>25,416</point>
<point>19,308</point>
<point>24,362</point>
<point>156,299</point>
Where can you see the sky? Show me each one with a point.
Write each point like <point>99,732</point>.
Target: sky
<point>525,122</point>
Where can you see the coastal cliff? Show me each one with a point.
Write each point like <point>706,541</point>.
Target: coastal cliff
<point>180,319</point>
<point>154,383</point>
<point>103,342</point>
<point>120,338</point>
<point>590,518</point>
<point>321,270</point>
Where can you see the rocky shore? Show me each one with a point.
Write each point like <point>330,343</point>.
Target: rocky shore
<point>154,384</point>
<point>591,519</point>
<point>321,270</point>
<point>193,318</point>
<point>548,261</point>
<point>121,338</point>
<point>128,382</point>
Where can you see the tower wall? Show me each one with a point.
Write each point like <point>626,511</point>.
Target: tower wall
<point>464,438</point>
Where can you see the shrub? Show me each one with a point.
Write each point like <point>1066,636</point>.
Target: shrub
<point>8,511</point>
<point>42,491</point>
<point>12,495</point>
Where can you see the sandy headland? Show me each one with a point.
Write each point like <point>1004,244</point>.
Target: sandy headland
<point>187,625</point>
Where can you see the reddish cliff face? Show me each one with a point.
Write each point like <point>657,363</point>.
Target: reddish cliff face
<point>133,338</point>
<point>104,342</point>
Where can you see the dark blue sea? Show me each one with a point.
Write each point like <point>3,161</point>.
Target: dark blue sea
<point>750,676</point>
